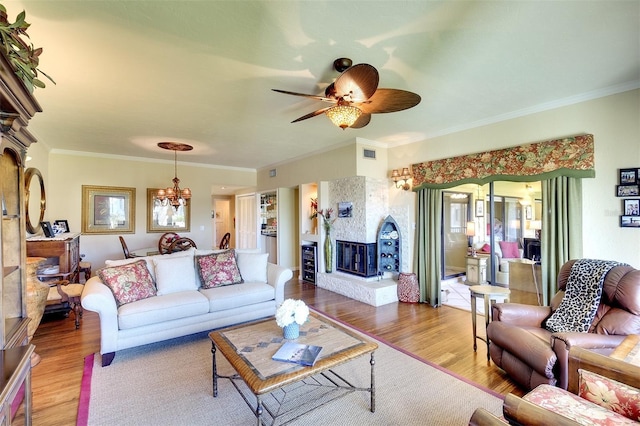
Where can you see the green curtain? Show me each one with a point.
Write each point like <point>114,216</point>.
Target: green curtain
<point>428,254</point>
<point>561,229</point>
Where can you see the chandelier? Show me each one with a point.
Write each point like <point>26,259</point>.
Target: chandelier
<point>174,195</point>
<point>343,116</point>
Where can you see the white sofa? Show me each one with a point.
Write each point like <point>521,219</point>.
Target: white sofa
<point>181,306</point>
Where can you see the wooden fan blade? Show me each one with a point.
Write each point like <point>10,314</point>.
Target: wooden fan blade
<point>362,121</point>
<point>389,100</point>
<point>358,83</point>
<point>311,114</point>
<point>304,95</point>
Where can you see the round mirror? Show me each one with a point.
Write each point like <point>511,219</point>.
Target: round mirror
<point>34,199</point>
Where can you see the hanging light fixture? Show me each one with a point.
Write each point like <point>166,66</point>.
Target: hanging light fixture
<point>343,116</point>
<point>174,195</point>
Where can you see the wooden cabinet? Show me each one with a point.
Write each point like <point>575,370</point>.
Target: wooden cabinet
<point>15,367</point>
<point>309,261</point>
<point>17,106</point>
<point>389,246</point>
<point>356,258</point>
<point>476,270</point>
<point>62,250</point>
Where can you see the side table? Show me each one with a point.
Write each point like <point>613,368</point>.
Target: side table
<point>476,270</point>
<point>489,293</point>
<point>628,350</point>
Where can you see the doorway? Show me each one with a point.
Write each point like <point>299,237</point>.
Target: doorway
<point>221,219</point>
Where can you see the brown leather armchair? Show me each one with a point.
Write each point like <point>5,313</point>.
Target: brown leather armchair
<point>532,355</point>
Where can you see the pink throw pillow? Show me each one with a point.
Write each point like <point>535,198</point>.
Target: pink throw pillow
<point>486,248</point>
<point>218,269</point>
<point>509,250</point>
<point>129,283</point>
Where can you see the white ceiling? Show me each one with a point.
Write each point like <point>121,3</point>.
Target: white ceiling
<point>130,74</point>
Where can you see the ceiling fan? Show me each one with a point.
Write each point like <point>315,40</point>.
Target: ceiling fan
<point>355,96</point>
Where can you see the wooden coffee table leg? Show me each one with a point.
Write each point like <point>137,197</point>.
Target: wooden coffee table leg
<point>373,383</point>
<point>214,369</point>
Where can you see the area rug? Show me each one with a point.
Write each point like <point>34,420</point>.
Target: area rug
<point>169,383</point>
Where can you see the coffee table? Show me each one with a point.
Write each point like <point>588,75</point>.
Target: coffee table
<point>249,348</point>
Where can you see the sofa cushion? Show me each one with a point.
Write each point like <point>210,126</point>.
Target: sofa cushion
<point>573,407</point>
<point>253,266</point>
<point>149,260</point>
<point>234,296</point>
<point>218,269</point>
<point>174,274</point>
<point>158,309</point>
<point>609,393</point>
<point>509,249</point>
<point>128,283</point>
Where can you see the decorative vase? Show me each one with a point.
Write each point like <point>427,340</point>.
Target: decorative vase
<point>291,331</point>
<point>328,253</point>
<point>37,293</point>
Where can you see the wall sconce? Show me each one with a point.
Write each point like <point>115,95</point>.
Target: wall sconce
<point>401,180</point>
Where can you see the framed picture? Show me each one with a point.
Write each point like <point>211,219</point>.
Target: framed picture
<point>630,221</point>
<point>163,217</point>
<point>628,176</point>
<point>108,210</point>
<point>528,213</point>
<point>631,207</point>
<point>479,208</point>
<point>47,229</point>
<point>345,209</point>
<point>62,224</point>
<point>627,190</point>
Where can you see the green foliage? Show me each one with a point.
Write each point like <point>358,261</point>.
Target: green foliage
<point>22,56</point>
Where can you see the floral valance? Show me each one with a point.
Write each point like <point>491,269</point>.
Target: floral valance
<point>572,156</point>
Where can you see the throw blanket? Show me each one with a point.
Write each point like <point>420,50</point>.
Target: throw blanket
<point>582,297</point>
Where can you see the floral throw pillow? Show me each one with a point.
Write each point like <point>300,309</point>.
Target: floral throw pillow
<point>128,283</point>
<point>218,269</point>
<point>610,394</point>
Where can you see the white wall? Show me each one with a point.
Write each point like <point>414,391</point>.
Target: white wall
<point>615,123</point>
<point>67,173</point>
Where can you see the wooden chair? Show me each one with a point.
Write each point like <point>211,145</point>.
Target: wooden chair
<point>64,297</point>
<point>164,244</point>
<point>224,243</point>
<point>181,244</point>
<point>125,249</point>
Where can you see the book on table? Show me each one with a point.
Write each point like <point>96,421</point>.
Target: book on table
<point>297,353</point>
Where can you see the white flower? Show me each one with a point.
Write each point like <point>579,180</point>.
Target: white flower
<point>292,311</point>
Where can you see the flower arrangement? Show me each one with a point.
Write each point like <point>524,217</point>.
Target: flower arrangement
<point>314,208</point>
<point>292,311</point>
<point>327,220</point>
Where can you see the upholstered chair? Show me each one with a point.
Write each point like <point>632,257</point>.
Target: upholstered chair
<point>533,355</point>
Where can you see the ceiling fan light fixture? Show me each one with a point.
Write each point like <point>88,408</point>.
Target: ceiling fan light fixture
<point>343,116</point>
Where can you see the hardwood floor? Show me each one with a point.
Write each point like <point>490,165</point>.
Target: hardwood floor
<point>441,335</point>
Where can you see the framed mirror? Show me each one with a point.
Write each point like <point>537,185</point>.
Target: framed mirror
<point>163,217</point>
<point>35,199</point>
